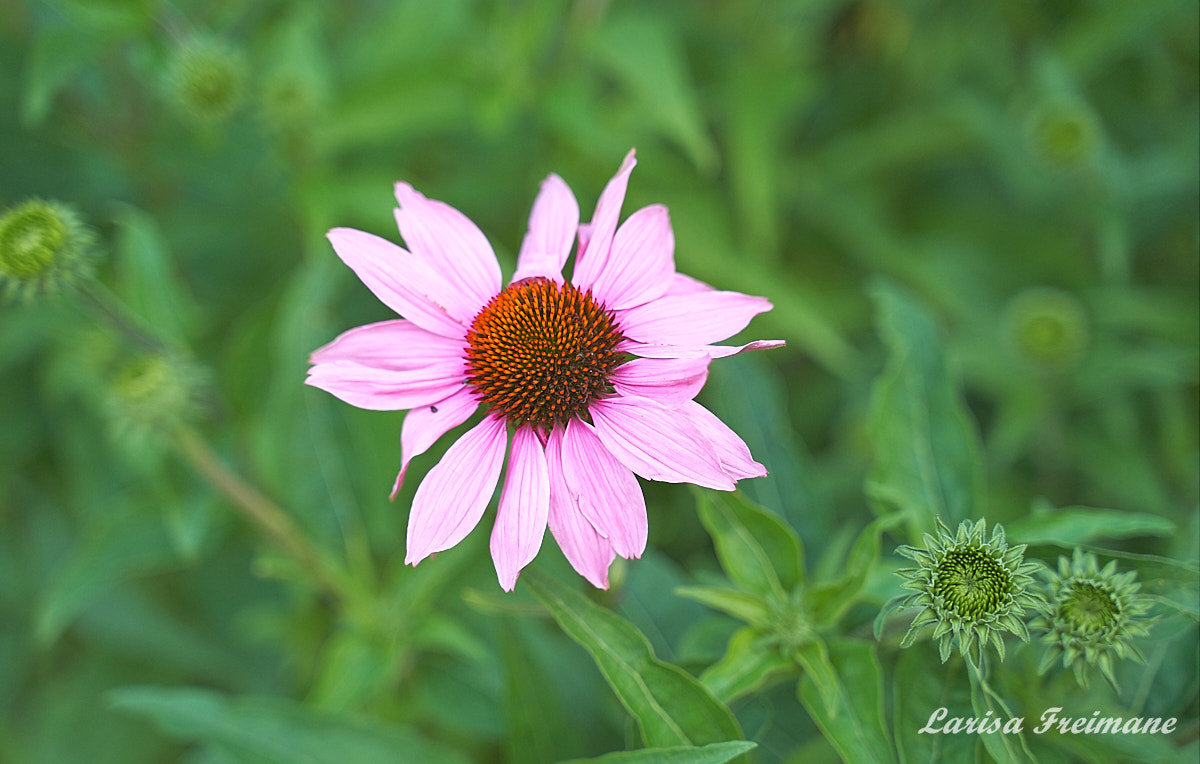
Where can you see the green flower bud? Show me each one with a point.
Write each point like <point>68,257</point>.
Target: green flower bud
<point>154,393</point>
<point>970,589</point>
<point>1091,617</point>
<point>1047,328</point>
<point>1063,132</point>
<point>43,246</point>
<point>207,79</point>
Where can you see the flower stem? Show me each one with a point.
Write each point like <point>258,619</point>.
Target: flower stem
<point>115,312</point>
<point>269,518</point>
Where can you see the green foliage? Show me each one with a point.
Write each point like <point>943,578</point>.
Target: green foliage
<point>976,224</point>
<point>670,706</point>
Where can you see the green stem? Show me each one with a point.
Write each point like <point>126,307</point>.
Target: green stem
<point>269,518</point>
<point>113,311</point>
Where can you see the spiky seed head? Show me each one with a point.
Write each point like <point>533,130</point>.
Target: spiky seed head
<point>1090,617</point>
<point>44,246</point>
<point>154,392</point>
<point>971,588</point>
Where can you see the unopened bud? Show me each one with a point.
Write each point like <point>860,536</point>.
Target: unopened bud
<point>43,246</point>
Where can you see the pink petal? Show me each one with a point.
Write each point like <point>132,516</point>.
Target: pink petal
<point>681,284</point>
<point>650,350</point>
<point>423,426</point>
<point>669,381</point>
<point>395,345</point>
<point>608,493</point>
<point>404,283</point>
<point>585,236</point>
<point>524,506</point>
<point>691,319</point>
<point>450,243</point>
<point>732,451</point>
<point>552,227</point>
<point>454,494</point>
<point>656,443</point>
<point>587,551</point>
<point>590,262</point>
<point>641,262</point>
<point>388,389</point>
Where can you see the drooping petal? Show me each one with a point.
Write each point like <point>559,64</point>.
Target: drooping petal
<point>524,507</point>
<point>669,381</point>
<point>609,495</point>
<point>732,451</point>
<point>388,389</point>
<point>651,350</point>
<point>405,284</point>
<point>449,242</point>
<point>552,227</point>
<point>691,319</point>
<point>423,426</point>
<point>591,261</point>
<point>641,261</point>
<point>588,552</point>
<point>655,443</point>
<point>394,345</point>
<point>454,494</point>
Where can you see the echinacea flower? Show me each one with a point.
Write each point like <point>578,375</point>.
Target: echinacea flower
<point>594,376</point>
<point>970,588</point>
<point>1091,616</point>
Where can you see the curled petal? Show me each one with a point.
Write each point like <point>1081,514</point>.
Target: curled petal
<point>656,443</point>
<point>651,350</point>
<point>452,497</point>
<point>524,506</point>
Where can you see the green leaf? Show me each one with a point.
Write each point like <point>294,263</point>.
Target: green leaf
<point>1070,526</point>
<point>644,54</point>
<point>748,607</point>
<point>853,721</point>
<point>918,692</point>
<point>828,602</point>
<point>539,728</point>
<point>266,730</point>
<point>146,279</point>
<point>58,55</point>
<point>714,753</point>
<point>758,550</point>
<point>671,707</point>
<point>131,544</point>
<point>926,449</point>
<point>748,664</point>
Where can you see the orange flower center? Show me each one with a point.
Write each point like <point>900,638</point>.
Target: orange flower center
<point>541,351</point>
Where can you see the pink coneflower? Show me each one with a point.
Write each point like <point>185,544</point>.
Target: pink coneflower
<point>595,377</point>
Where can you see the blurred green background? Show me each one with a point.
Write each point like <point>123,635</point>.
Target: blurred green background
<point>1026,171</point>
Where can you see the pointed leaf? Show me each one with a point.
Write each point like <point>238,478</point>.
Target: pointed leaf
<point>926,447</point>
<point>854,723</point>
<point>671,707</point>
<point>748,665</point>
<point>758,550</point>
<point>714,753</point>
